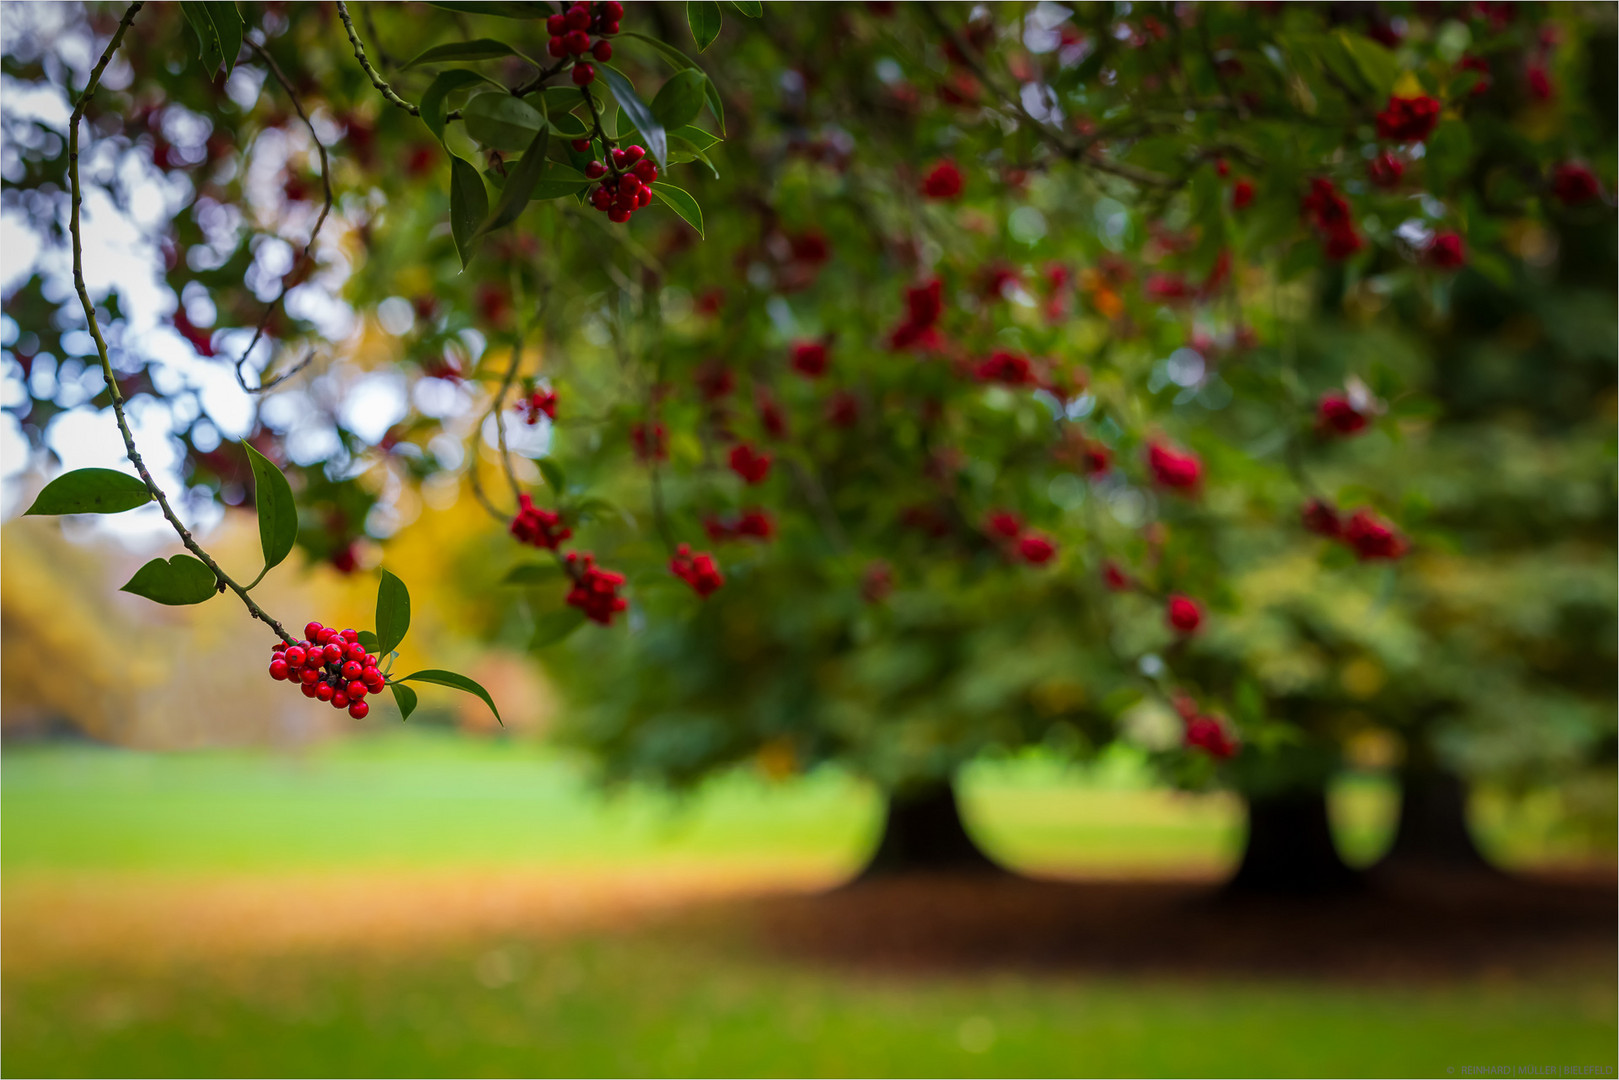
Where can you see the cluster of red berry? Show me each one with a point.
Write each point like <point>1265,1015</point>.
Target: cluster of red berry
<point>330,665</point>
<point>595,591</point>
<point>1328,211</point>
<point>1206,733</point>
<point>920,330</point>
<point>697,570</point>
<point>1032,547</point>
<point>750,464</point>
<point>1337,414</point>
<point>538,526</point>
<point>538,402</point>
<point>1174,469</point>
<point>1006,368</point>
<point>570,35</point>
<point>1368,535</point>
<point>626,184</point>
<point>752,524</point>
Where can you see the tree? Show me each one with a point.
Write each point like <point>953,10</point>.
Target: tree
<point>965,418</point>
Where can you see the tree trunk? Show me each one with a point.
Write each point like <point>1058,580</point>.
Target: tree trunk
<point>1432,833</point>
<point>1289,850</point>
<point>923,833</point>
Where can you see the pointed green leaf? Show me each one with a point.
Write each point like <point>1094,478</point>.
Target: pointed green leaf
<point>480,49</point>
<point>456,682</point>
<point>278,515</point>
<point>435,102</point>
<point>405,698</point>
<point>502,122</point>
<point>637,112</point>
<point>393,613</point>
<point>469,205</point>
<point>555,478</point>
<point>680,202</point>
<point>506,9</point>
<point>210,51</point>
<point>91,491</point>
<point>674,56</point>
<point>703,16</point>
<point>368,641</point>
<point>228,28</point>
<point>184,579</point>
<point>753,9</point>
<point>715,105</point>
<point>532,574</point>
<point>553,626</point>
<point>559,180</point>
<point>696,137</point>
<point>680,99</point>
<point>519,186</point>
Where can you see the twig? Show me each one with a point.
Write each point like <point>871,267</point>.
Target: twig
<point>225,580</point>
<point>375,76</point>
<point>303,256</point>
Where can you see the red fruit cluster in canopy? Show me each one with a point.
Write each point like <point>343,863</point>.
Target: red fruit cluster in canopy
<point>1114,577</point>
<point>810,358</point>
<point>1028,545</point>
<point>1446,251</point>
<point>570,35</point>
<point>1408,119</point>
<point>750,464</point>
<point>1174,469</point>
<point>538,402</point>
<point>331,666</point>
<point>924,304</point>
<point>1183,613</point>
<point>200,339</point>
<point>1320,518</point>
<point>1328,211</point>
<point>540,527</point>
<point>943,181</point>
<point>595,591</point>
<point>651,443</point>
<point>1385,170</point>
<point>626,183</point>
<point>843,409</point>
<point>1471,62</point>
<point>1572,183</point>
<point>1337,415</point>
<point>754,524</point>
<point>1209,735</point>
<point>1369,536</point>
<point>1242,193</point>
<point>1006,368</point>
<point>698,571</point>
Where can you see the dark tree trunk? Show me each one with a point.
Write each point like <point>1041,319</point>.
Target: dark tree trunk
<point>1432,833</point>
<point>1289,850</point>
<point>923,833</point>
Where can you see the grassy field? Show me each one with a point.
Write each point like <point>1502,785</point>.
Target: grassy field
<point>435,906</point>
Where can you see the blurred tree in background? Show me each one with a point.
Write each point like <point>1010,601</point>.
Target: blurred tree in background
<point>1233,381</point>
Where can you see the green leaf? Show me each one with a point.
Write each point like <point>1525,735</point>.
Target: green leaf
<point>532,574</point>
<point>559,180</point>
<point>519,186</point>
<point>638,113</point>
<point>278,514</point>
<point>469,205</point>
<point>715,105</point>
<point>457,682</point>
<point>1376,64</point>
<point>480,49</point>
<point>674,56</point>
<point>405,698</point>
<point>680,99</point>
<point>393,613</point>
<point>696,137</point>
<point>703,16</point>
<point>568,125</point>
<point>184,579</point>
<point>751,8</point>
<point>210,51</point>
<point>1449,154</point>
<point>501,121</point>
<point>553,626</point>
<point>228,26</point>
<point>91,491</point>
<point>680,202</point>
<point>368,641</point>
<point>506,9</point>
<point>555,478</point>
<point>435,102</point>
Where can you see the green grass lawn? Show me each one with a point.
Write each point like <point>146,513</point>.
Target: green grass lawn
<point>665,1001</point>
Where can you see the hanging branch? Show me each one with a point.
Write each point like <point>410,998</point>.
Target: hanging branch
<point>375,76</point>
<point>303,256</point>
<point>224,580</point>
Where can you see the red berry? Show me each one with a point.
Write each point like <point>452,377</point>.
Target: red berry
<point>356,690</point>
<point>340,700</point>
<point>308,689</point>
<point>578,17</point>
<point>578,41</point>
<point>278,669</point>
<point>580,146</point>
<point>557,47</point>
<point>618,216</point>
<point>602,50</point>
<point>356,652</point>
<point>601,198</point>
<point>583,75</point>
<point>358,710</point>
<point>613,10</point>
<point>634,153</point>
<point>309,676</point>
<point>621,158</point>
<point>610,28</point>
<point>1184,613</point>
<point>556,25</point>
<point>352,669</point>
<point>294,656</point>
<point>324,691</point>
<point>333,653</point>
<point>645,170</point>
<point>595,171</point>
<point>312,629</point>
<point>643,198</point>
<point>350,635</point>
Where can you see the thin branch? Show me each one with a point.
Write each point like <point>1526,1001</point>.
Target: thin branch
<point>304,256</point>
<point>375,76</point>
<point>225,580</point>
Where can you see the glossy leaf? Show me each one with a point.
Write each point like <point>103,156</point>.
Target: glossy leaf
<point>680,202</point>
<point>228,27</point>
<point>502,122</point>
<point>368,641</point>
<point>680,99</point>
<point>435,104</point>
<point>480,49</point>
<point>753,9</point>
<point>559,180</point>
<point>209,49</point>
<point>703,16</point>
<point>91,491</point>
<point>696,136</point>
<point>674,56</point>
<point>519,186</point>
<point>183,579</point>
<point>455,682</point>
<point>638,114</point>
<point>506,9</point>
<point>469,205</point>
<point>554,626</point>
<point>404,697</point>
<point>278,514</point>
<point>393,613</point>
